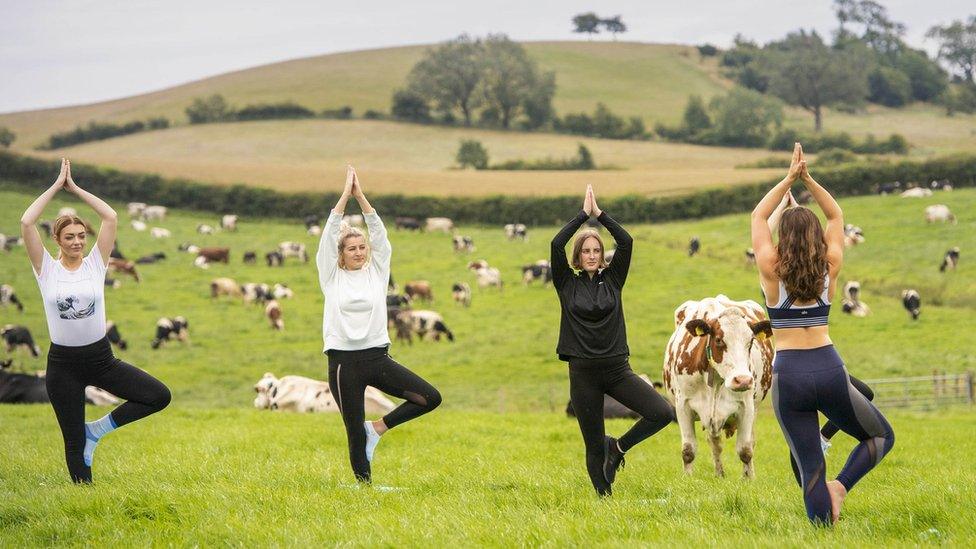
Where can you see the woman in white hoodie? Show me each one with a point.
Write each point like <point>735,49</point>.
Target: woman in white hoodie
<point>354,275</point>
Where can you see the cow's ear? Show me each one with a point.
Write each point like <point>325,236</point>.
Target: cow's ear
<point>762,329</point>
<point>698,327</point>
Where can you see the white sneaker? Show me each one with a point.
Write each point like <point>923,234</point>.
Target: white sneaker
<point>824,445</point>
<point>372,439</point>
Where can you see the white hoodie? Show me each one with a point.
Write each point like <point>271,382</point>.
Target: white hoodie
<point>355,301</point>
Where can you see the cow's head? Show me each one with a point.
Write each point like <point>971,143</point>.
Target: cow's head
<point>264,389</point>
<point>730,337</point>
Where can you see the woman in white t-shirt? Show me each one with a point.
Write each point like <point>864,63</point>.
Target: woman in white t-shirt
<point>73,290</point>
<point>354,277</point>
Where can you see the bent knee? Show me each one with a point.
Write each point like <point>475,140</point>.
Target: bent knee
<point>433,399</point>
<point>161,398</point>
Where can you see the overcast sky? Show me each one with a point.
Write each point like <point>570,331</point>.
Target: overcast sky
<point>55,53</point>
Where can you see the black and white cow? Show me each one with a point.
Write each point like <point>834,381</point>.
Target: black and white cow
<point>274,259</point>
<point>31,389</point>
<point>912,302</point>
<point>516,230</point>
<point>461,293</point>
<point>250,257</point>
<point>463,244</point>
<point>312,220</point>
<point>950,260</point>
<point>889,188</point>
<point>408,223</point>
<point>694,246</point>
<point>114,337</point>
<point>171,328</point>
<point>255,292</point>
<point>540,270</point>
<point>852,303</point>
<point>15,336</point>
<point>425,324</point>
<point>293,249</point>
<point>9,297</point>
<point>750,256</point>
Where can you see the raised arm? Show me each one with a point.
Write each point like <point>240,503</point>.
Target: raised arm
<point>109,226</point>
<point>327,258</point>
<point>620,266</point>
<point>773,221</point>
<point>379,241</point>
<point>28,222</point>
<point>835,219</point>
<point>561,271</point>
<point>762,237</point>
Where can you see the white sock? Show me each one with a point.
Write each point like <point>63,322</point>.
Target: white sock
<point>372,439</point>
<point>824,444</point>
<point>94,431</point>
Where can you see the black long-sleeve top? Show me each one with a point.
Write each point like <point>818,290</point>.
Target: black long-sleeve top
<point>592,322</point>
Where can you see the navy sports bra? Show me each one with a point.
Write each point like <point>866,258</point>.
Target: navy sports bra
<point>786,315</point>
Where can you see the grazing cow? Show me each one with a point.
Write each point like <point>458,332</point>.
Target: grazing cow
<point>9,296</point>
<point>314,230</point>
<point>354,220</point>
<point>188,248</point>
<point>916,192</point>
<point>852,300</point>
<point>302,394</point>
<point>114,337</point>
<point>229,222</point>
<point>159,232</point>
<point>273,311</point>
<point>718,366</point>
<point>950,260</point>
<point>939,212</point>
<point>425,324</point>
<point>394,304</point>
<point>255,292</point>
<point>912,302</point>
<point>135,209</point>
<point>443,224</point>
<point>311,220</point>
<point>750,256</point>
<point>419,289</point>
<point>154,212</point>
<point>31,389</point>
<point>408,223</point>
<point>139,226</point>
<point>281,291</point>
<point>516,230</point>
<point>293,249</point>
<point>201,262</point>
<point>940,185</point>
<point>213,254</point>
<point>487,276</point>
<point>274,259</point>
<point>461,293</point>
<point>171,328</point>
<point>151,258</point>
<point>250,257</point>
<point>122,266</point>
<point>540,270</point>
<point>15,336</point>
<point>612,408</point>
<point>694,246</point>
<point>224,286</point>
<point>853,235</point>
<point>112,283</point>
<point>463,244</point>
<point>8,242</point>
<point>889,188</point>
<point>204,228</point>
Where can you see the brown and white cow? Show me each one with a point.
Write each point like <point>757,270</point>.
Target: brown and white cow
<point>718,366</point>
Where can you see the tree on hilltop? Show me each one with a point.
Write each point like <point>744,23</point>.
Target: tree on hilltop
<point>957,46</point>
<point>449,75</point>
<point>7,137</point>
<point>614,26</point>
<point>588,23</point>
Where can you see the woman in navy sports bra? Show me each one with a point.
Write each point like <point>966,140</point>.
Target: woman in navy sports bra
<point>798,276</point>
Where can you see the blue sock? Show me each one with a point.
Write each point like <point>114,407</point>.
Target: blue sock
<point>94,431</point>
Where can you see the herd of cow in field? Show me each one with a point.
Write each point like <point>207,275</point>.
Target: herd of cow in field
<point>722,392</point>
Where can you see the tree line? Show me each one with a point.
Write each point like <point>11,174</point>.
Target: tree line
<point>97,131</point>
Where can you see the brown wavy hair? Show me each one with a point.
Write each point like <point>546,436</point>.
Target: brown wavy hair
<point>802,254</point>
<point>578,249</point>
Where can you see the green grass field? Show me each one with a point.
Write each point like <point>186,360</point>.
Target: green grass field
<point>499,464</point>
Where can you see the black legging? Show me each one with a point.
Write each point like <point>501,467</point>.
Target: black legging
<point>830,428</point>
<point>808,381</point>
<point>349,374</point>
<point>71,369</point>
<point>589,380</point>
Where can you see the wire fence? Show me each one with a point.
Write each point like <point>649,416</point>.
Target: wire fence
<point>923,392</point>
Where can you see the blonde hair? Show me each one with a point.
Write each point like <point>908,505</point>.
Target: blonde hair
<point>578,249</point>
<point>345,233</point>
<point>61,223</point>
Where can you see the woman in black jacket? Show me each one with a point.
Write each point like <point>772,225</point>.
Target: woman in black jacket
<point>593,340</point>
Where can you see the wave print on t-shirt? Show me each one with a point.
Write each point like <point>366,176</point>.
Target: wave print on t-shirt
<point>71,307</point>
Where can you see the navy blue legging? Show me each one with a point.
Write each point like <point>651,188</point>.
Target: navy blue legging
<point>807,381</point>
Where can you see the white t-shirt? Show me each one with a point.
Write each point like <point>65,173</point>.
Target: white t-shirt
<point>74,301</point>
<point>355,301</point>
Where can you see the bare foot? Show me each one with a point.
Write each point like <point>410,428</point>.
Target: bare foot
<point>837,495</point>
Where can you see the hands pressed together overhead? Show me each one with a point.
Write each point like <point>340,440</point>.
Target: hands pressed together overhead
<point>798,167</point>
<point>589,203</point>
<point>64,180</point>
